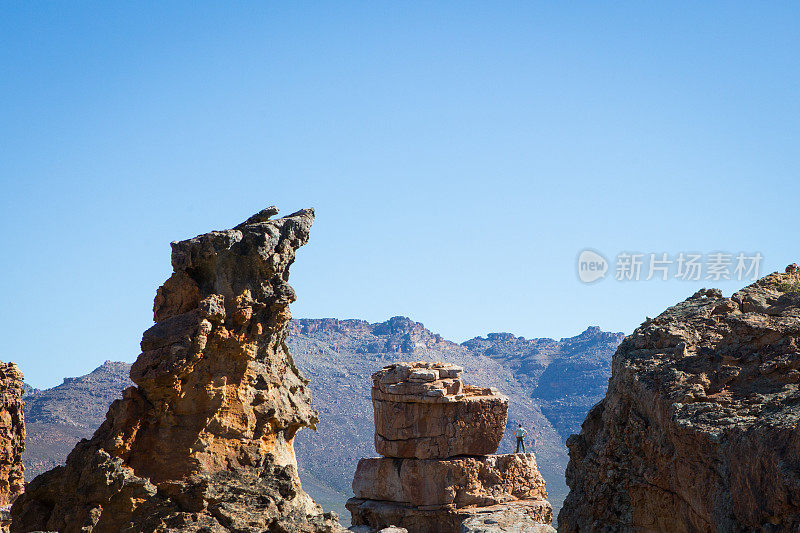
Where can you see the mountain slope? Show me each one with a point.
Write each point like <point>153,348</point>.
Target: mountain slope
<point>57,418</point>
<point>566,377</point>
<point>551,385</point>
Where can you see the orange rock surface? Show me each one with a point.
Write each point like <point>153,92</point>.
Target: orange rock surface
<point>12,433</point>
<point>203,442</point>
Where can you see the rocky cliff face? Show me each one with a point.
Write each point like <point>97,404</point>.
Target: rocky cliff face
<point>204,441</point>
<point>435,435</point>
<point>699,428</point>
<point>12,433</point>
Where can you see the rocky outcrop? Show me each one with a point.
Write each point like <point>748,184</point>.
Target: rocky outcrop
<point>435,434</point>
<point>12,433</point>
<point>204,440</point>
<point>699,428</point>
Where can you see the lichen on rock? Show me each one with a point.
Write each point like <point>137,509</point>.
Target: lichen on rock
<point>699,428</point>
<point>203,442</point>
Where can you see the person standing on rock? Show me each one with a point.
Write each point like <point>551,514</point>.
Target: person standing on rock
<point>520,433</point>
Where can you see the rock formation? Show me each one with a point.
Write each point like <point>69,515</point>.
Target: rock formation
<point>434,434</point>
<point>203,442</point>
<point>699,428</point>
<point>425,412</point>
<point>12,433</point>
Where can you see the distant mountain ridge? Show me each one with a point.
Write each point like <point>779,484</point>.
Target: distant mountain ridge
<point>567,377</point>
<point>551,384</point>
<point>57,418</point>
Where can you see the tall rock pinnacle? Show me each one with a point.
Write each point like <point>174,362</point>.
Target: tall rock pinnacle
<point>203,442</point>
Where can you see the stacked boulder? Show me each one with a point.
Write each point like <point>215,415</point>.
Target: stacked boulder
<point>436,436</point>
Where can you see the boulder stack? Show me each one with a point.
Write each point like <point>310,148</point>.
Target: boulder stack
<point>436,436</point>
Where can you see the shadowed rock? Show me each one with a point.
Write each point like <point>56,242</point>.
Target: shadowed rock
<point>203,442</point>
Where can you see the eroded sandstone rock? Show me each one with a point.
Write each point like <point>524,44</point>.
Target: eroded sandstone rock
<point>12,433</point>
<point>423,410</point>
<point>203,442</point>
<point>699,428</point>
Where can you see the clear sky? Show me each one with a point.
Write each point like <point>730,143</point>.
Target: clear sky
<point>459,156</point>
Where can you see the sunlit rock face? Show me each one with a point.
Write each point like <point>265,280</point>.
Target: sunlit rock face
<point>12,433</point>
<point>699,428</point>
<point>203,441</point>
<point>436,436</point>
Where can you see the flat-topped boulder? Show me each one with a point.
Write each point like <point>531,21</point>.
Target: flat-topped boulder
<point>423,410</point>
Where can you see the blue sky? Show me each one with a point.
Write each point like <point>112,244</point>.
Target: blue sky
<point>459,156</point>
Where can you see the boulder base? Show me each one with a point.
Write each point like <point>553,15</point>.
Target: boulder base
<point>460,481</point>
